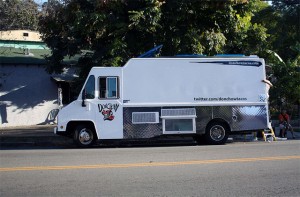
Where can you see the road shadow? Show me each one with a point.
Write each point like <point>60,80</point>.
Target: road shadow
<point>67,143</point>
<point>61,142</point>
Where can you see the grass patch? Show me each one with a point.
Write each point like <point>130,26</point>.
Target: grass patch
<point>11,55</point>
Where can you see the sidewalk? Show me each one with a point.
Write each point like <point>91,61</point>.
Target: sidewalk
<point>28,131</point>
<point>31,136</point>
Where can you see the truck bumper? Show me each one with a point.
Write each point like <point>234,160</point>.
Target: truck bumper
<point>61,133</point>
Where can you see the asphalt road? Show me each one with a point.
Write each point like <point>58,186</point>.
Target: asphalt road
<point>237,169</point>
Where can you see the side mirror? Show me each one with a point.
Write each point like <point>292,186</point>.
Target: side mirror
<point>83,97</point>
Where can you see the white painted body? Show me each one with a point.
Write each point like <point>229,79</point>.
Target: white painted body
<point>181,81</point>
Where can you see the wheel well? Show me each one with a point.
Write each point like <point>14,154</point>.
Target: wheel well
<point>71,126</point>
<point>219,120</point>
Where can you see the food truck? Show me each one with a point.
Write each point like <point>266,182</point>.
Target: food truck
<point>201,97</point>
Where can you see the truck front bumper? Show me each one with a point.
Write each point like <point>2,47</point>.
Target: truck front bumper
<point>55,130</point>
<point>61,133</point>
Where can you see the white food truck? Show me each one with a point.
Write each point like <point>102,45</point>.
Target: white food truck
<point>207,97</point>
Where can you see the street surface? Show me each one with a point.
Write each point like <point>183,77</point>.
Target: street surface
<point>235,169</point>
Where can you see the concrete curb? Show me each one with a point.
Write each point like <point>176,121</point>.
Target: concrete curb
<point>44,137</point>
<point>35,141</point>
<point>32,136</point>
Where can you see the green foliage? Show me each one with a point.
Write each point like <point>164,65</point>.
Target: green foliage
<point>282,21</point>
<point>286,90</point>
<point>118,30</point>
<point>113,30</point>
<point>18,14</point>
<point>282,51</point>
<point>246,36</point>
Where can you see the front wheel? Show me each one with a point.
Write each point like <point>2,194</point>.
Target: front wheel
<point>84,136</point>
<point>216,133</point>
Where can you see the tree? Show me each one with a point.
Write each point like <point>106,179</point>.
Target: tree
<point>211,27</point>
<point>108,33</point>
<point>194,29</point>
<point>286,90</point>
<point>282,51</point>
<point>282,21</point>
<point>113,30</point>
<point>246,35</point>
<point>117,30</point>
<point>287,29</point>
<point>18,14</point>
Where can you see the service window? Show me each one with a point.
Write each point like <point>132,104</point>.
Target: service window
<point>179,125</point>
<point>178,120</point>
<point>90,88</point>
<point>108,87</point>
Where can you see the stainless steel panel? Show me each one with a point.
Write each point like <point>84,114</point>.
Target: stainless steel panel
<point>132,131</point>
<point>204,115</point>
<point>223,112</point>
<point>240,118</point>
<point>249,118</point>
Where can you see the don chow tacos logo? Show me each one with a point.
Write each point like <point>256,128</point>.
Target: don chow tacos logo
<point>107,110</point>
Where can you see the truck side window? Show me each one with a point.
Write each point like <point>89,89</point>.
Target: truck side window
<point>90,87</point>
<point>108,87</point>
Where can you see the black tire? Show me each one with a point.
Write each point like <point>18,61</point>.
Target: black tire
<point>216,133</point>
<point>84,136</point>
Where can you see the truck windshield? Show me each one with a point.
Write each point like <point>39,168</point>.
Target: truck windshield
<point>90,87</point>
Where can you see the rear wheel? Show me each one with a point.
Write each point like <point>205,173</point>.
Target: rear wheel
<point>216,133</point>
<point>84,136</point>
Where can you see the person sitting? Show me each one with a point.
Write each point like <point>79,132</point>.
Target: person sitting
<point>284,124</point>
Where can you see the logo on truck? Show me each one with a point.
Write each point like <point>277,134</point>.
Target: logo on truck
<point>107,110</point>
<point>238,63</point>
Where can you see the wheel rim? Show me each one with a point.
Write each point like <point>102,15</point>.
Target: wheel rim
<point>85,136</point>
<point>217,133</point>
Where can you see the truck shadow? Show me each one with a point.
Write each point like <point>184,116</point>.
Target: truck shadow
<point>66,143</point>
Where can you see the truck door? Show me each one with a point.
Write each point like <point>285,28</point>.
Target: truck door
<point>110,110</point>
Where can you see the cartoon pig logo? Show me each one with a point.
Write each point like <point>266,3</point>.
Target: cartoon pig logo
<point>107,114</point>
<point>107,110</point>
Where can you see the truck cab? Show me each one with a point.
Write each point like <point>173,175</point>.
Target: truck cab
<point>97,113</point>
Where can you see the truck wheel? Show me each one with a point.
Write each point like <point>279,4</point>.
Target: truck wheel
<point>216,133</point>
<point>84,136</point>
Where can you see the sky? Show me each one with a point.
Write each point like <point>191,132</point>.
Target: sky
<point>40,1</point>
